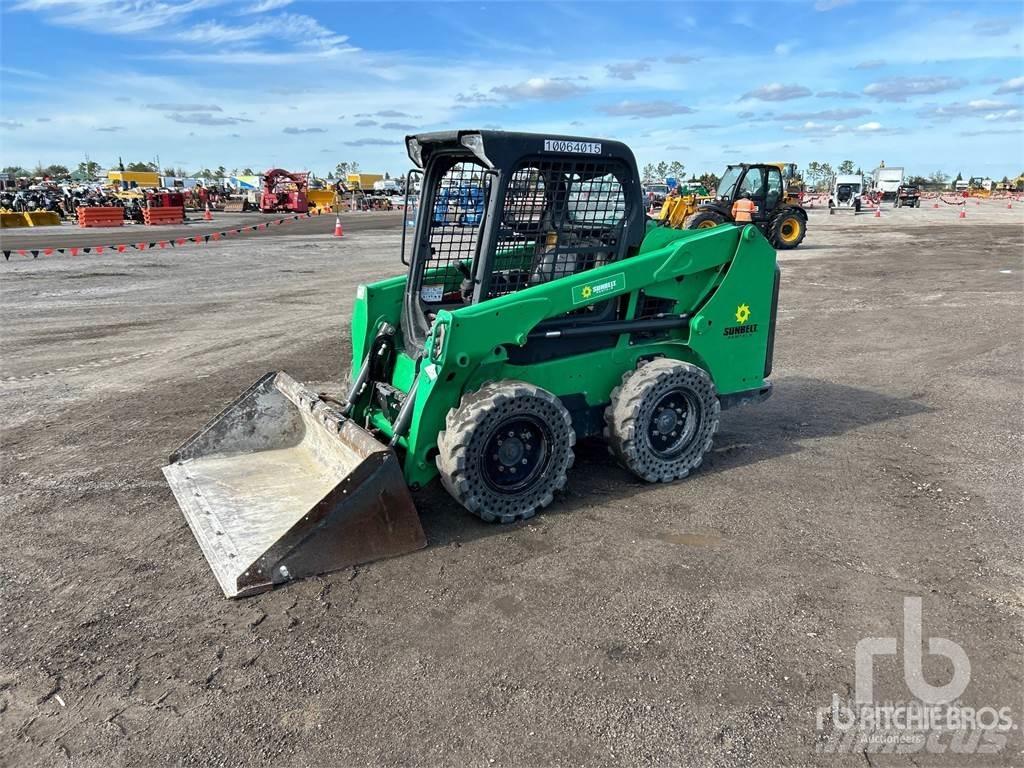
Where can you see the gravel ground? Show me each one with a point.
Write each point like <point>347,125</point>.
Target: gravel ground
<point>704,622</point>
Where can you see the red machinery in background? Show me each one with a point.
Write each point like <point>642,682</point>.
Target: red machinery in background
<point>162,199</point>
<point>284,191</point>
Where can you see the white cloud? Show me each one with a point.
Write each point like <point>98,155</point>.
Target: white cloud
<point>825,114</point>
<point>370,142</point>
<point>777,92</point>
<point>964,109</point>
<point>977,104</point>
<point>869,127</point>
<point>17,72</point>
<point>265,5</point>
<point>205,118</point>
<point>784,49</point>
<point>679,59</point>
<point>185,107</point>
<point>542,88</point>
<point>812,127</point>
<point>1013,85</point>
<point>116,17</point>
<point>171,21</point>
<point>994,131</point>
<point>899,89</point>
<point>627,70</point>
<point>996,26</point>
<point>215,33</point>
<point>638,109</point>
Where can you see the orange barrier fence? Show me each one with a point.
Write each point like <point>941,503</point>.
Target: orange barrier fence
<point>164,215</point>
<point>101,217</point>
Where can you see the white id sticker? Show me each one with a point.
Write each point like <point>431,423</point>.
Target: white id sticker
<point>432,292</point>
<point>579,147</point>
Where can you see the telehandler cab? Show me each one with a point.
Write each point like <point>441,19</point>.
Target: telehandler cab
<point>780,216</point>
<point>555,312</point>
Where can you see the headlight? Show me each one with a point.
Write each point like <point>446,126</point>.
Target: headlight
<point>415,150</point>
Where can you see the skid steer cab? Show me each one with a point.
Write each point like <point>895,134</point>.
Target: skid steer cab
<point>538,307</point>
<point>779,214</point>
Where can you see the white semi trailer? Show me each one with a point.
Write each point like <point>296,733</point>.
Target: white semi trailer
<point>886,181</point>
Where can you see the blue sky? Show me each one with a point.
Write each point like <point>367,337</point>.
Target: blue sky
<point>303,85</point>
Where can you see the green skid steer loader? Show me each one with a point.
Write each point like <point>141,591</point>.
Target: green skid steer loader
<point>539,307</point>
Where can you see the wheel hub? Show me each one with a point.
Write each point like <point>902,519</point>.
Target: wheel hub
<point>673,423</point>
<point>515,454</point>
<point>511,451</point>
<point>666,421</point>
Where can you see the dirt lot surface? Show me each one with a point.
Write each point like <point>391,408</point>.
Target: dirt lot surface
<point>699,623</point>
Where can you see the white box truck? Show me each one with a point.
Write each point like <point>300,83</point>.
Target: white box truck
<point>886,181</point>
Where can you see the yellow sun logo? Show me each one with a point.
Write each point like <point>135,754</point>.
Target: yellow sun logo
<point>587,292</point>
<point>742,314</point>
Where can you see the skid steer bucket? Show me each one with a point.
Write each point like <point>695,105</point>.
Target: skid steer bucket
<point>280,486</point>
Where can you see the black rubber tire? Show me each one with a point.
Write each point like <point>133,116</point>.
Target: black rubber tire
<point>471,426</point>
<point>628,419</point>
<point>700,220</point>
<point>778,222</point>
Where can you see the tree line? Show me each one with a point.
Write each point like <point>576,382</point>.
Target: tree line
<point>90,170</point>
<point>656,173</point>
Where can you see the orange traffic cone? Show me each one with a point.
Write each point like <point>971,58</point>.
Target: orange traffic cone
<point>337,227</point>
<point>1009,205</point>
<point>963,212</point>
<point>878,211</point>
<point>935,206</point>
<point>207,216</point>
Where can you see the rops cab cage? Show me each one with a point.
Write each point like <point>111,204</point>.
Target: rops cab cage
<point>536,212</point>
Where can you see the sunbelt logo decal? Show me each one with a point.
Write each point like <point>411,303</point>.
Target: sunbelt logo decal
<point>598,288</point>
<point>743,327</point>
